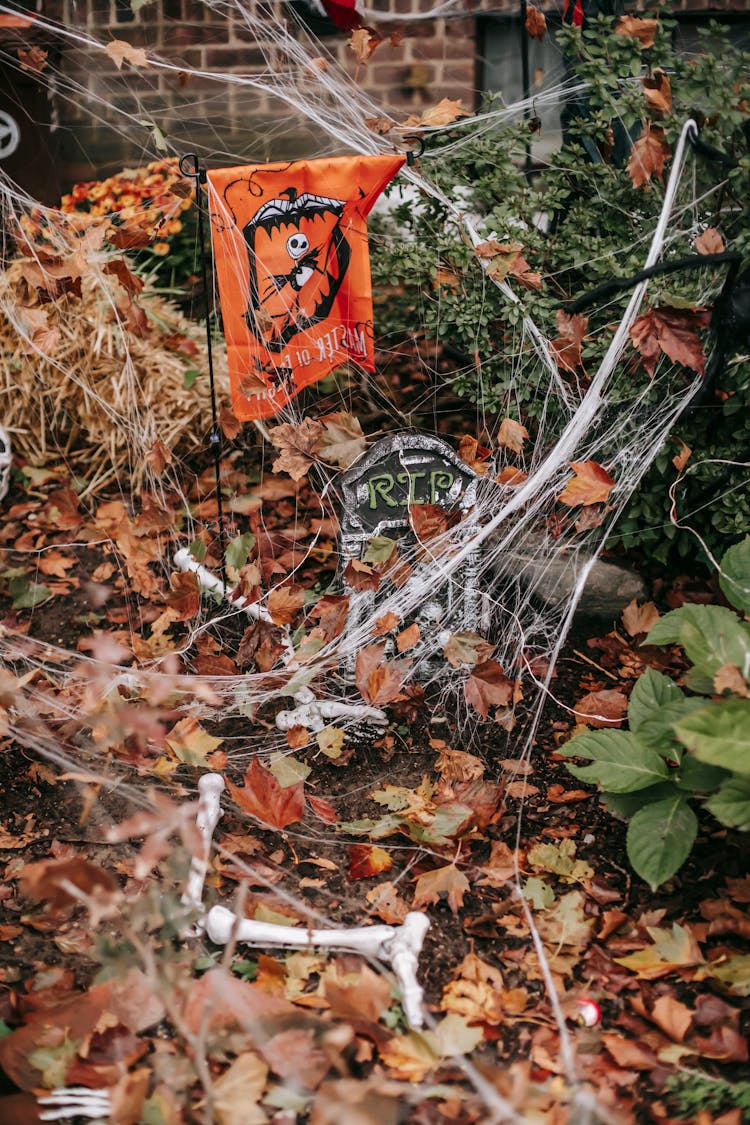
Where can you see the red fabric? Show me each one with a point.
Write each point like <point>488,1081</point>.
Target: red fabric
<point>343,13</point>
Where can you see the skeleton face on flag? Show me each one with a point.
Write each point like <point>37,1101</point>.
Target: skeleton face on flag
<point>292,260</point>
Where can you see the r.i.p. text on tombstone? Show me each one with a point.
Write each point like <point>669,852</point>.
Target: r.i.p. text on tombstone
<point>398,472</point>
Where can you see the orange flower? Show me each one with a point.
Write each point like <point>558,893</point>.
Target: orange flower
<point>161,248</point>
<point>174,226</point>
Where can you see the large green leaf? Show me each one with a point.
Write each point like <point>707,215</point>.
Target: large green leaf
<point>652,691</point>
<point>734,578</point>
<point>697,776</point>
<point>731,805</point>
<point>656,704</point>
<point>626,805</point>
<point>659,839</point>
<point>618,762</point>
<point>711,635</point>
<point>719,734</point>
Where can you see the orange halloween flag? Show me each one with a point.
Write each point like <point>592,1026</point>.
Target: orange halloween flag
<point>293,267</point>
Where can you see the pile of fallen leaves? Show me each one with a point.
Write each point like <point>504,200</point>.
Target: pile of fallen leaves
<point>350,832</point>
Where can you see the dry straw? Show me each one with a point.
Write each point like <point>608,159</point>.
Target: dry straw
<point>90,388</point>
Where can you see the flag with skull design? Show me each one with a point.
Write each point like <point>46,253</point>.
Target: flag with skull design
<point>293,268</point>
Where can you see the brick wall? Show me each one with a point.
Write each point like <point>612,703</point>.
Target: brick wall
<point>429,59</point>
<point>434,58</point>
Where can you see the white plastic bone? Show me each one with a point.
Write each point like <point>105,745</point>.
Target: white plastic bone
<point>315,714</point>
<point>210,787</point>
<point>183,560</point>
<point>398,946</point>
<point>76,1101</point>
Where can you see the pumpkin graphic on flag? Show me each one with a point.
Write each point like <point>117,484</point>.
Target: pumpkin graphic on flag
<point>298,258</point>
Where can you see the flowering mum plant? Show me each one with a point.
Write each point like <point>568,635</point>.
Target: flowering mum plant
<point>152,212</point>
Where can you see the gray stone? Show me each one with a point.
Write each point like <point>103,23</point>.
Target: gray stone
<point>552,578</point>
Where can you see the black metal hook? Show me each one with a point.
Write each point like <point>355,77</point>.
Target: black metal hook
<point>413,154</point>
<point>190,166</point>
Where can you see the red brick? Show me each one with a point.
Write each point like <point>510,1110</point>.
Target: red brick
<point>192,35</point>
<point>246,58</point>
<point>448,48</point>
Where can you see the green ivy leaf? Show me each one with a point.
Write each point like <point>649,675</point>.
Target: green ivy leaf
<point>719,734</point>
<point>189,376</point>
<point>198,550</point>
<point>618,761</point>
<point>379,549</point>
<point>27,594</point>
<point>734,578</point>
<point>659,839</point>
<point>731,804</point>
<point>239,549</point>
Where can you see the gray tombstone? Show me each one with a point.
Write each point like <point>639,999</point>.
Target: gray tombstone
<point>397,472</point>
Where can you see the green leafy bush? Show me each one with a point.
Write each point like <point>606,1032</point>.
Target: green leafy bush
<point>596,224</point>
<point>692,1092</point>
<point>681,747</point>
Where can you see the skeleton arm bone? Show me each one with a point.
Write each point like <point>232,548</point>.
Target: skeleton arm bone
<point>210,786</point>
<point>398,946</point>
<point>315,714</point>
<point>183,560</point>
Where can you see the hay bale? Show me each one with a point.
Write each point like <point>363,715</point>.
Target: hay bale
<point>98,378</point>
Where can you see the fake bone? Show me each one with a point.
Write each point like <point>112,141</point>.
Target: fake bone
<point>316,714</point>
<point>398,946</point>
<point>184,561</point>
<point>210,787</point>
<point>68,1102</point>
<point>309,712</point>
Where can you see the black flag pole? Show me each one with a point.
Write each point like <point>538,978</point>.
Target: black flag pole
<point>190,167</point>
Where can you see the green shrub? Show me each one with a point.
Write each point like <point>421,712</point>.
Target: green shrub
<point>681,748</point>
<point>692,1092</point>
<point>599,225</point>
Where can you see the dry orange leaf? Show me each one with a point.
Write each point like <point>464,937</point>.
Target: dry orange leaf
<point>445,881</point>
<point>591,484</point>
<point>364,42</point>
<point>681,459</point>
<point>488,686</point>
<point>658,91</point>
<point>444,113</point>
<point>297,445</point>
<point>380,681</point>
<point>408,638</point>
<point>388,904</point>
<point>673,332</point>
<point>648,155</point>
<point>567,346</point>
<point>184,594</point>
<point>511,476</point>
<point>536,23</point>
<point>639,618</point>
<point>120,51</point>
<point>159,457</point>
<point>642,30</point>
<point>263,797</point>
<point>512,435</point>
<point>602,709</point>
<point>386,624</point>
<point>366,860</point>
<point>709,242</point>
<point>284,603</point>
